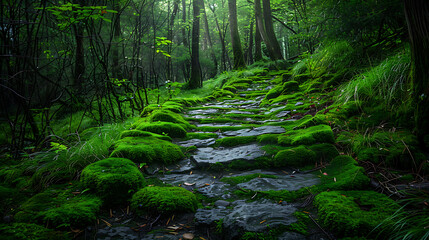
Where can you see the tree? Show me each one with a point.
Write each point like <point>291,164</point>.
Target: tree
<point>416,14</point>
<point>196,76</point>
<point>209,40</point>
<point>235,36</point>
<point>269,29</point>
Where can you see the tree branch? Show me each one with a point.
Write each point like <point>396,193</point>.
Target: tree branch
<point>284,24</point>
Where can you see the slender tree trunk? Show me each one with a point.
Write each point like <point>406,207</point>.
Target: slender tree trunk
<point>235,37</point>
<point>222,39</point>
<point>116,70</point>
<point>170,37</point>
<point>416,13</point>
<point>186,65</point>
<point>277,53</point>
<point>261,27</point>
<point>250,48</point>
<point>258,42</point>
<point>209,41</point>
<point>196,75</point>
<point>79,68</point>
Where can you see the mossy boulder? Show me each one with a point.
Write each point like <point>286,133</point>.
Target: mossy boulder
<point>58,208</point>
<point>295,157</point>
<point>169,116</point>
<point>308,136</point>
<point>30,231</point>
<point>147,150</point>
<point>235,141</point>
<point>167,106</point>
<point>301,78</point>
<point>353,213</point>
<point>113,179</point>
<point>287,87</point>
<point>171,129</point>
<point>163,200</point>
<point>139,133</point>
<point>324,151</point>
<point>344,174</point>
<point>230,88</point>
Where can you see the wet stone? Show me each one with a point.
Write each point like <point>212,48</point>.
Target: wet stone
<point>116,233</point>
<point>299,103</point>
<point>274,109</point>
<point>217,124</point>
<point>205,183</point>
<point>206,156</point>
<point>255,131</point>
<point>238,112</point>
<point>197,142</point>
<point>247,217</point>
<point>222,203</point>
<point>283,182</point>
<point>203,111</point>
<point>282,114</point>
<point>197,116</point>
<point>291,236</point>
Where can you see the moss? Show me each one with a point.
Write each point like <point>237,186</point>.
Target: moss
<point>138,133</point>
<point>59,208</point>
<point>147,150</point>
<point>245,178</point>
<point>344,174</point>
<point>295,157</point>
<point>222,93</point>
<point>113,179</point>
<point>230,88</point>
<point>301,78</point>
<point>222,129</point>
<point>171,129</point>
<point>235,141</point>
<point>268,138</point>
<point>324,151</point>
<point>274,92</point>
<point>308,136</point>
<point>30,231</point>
<point>163,200</point>
<point>353,213</point>
<point>168,106</point>
<point>169,116</point>
<point>301,226</point>
<point>200,135</point>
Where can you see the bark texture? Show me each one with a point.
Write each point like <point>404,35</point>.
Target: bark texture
<point>196,76</point>
<point>235,36</point>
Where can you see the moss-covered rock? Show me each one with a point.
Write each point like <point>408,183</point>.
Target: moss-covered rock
<point>230,88</point>
<point>30,231</point>
<point>113,179</point>
<point>147,150</point>
<point>168,106</point>
<point>344,174</point>
<point>169,116</point>
<point>59,208</point>
<point>353,213</point>
<point>295,157</point>
<point>324,151</point>
<point>163,200</point>
<point>139,133</point>
<point>308,136</point>
<point>171,129</point>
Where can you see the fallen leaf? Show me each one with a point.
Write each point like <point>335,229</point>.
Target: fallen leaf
<point>174,228</point>
<point>188,184</point>
<point>106,222</point>
<point>188,236</point>
<point>173,233</point>
<point>326,174</point>
<point>285,172</point>
<point>335,180</point>
<point>262,221</point>
<point>190,173</point>
<point>306,212</point>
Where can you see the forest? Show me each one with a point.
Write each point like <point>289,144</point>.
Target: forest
<point>214,119</point>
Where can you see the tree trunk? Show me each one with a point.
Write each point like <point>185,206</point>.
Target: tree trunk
<point>250,48</point>
<point>235,37</point>
<point>416,13</point>
<point>222,39</point>
<point>116,70</point>
<point>277,53</point>
<point>186,65</point>
<point>196,76</point>
<point>170,37</point>
<point>258,42</point>
<point>79,67</point>
<point>261,27</point>
<point>209,40</point>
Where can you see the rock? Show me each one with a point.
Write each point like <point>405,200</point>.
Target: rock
<point>291,236</point>
<point>282,114</point>
<point>204,111</point>
<point>238,112</point>
<point>285,182</point>
<point>255,131</point>
<point>207,156</point>
<point>222,203</point>
<point>198,142</point>
<point>299,103</point>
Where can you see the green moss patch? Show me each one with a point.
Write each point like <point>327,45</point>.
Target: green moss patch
<point>139,133</point>
<point>29,231</point>
<point>163,200</point>
<point>325,152</point>
<point>353,213</point>
<point>168,116</point>
<point>171,129</point>
<point>344,174</point>
<point>295,157</point>
<point>113,179</point>
<point>245,178</point>
<point>200,135</point>
<point>147,150</point>
<point>60,208</point>
<point>308,136</point>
